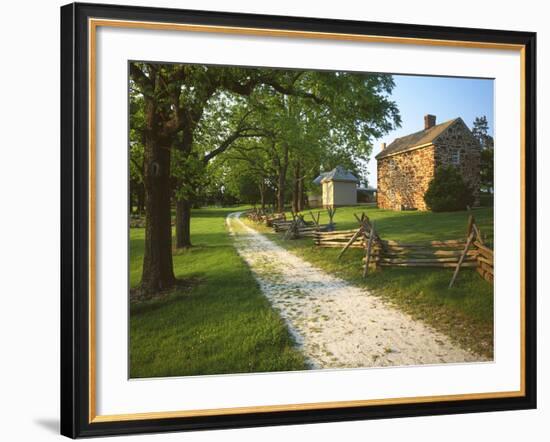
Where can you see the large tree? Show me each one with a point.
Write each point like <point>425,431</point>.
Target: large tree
<point>174,100</point>
<point>193,113</point>
<point>224,120</point>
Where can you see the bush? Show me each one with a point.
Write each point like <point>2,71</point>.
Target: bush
<point>448,192</point>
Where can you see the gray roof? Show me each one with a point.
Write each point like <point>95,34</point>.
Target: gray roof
<point>336,174</point>
<point>319,178</point>
<point>366,189</point>
<point>416,139</point>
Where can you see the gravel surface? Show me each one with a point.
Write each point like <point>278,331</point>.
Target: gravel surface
<point>336,324</point>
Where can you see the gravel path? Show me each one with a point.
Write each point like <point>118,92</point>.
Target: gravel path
<point>338,325</point>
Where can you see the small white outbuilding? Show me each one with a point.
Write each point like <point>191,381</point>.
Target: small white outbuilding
<point>339,187</point>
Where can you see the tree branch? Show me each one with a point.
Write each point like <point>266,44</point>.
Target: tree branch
<point>291,90</point>
<point>140,78</point>
<point>239,133</point>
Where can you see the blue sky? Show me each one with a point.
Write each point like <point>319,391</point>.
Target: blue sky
<point>444,97</point>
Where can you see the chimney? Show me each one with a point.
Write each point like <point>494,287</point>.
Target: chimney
<point>383,146</point>
<point>429,121</point>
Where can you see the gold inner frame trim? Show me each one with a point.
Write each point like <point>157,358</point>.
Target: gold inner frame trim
<point>93,24</point>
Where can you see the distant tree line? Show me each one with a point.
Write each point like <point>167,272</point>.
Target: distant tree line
<point>481,133</point>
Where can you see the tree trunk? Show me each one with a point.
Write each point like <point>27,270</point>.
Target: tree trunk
<point>296,191</point>
<point>183,224</point>
<point>261,187</point>
<point>295,194</point>
<point>281,192</point>
<point>158,272</point>
<point>282,182</point>
<point>301,196</point>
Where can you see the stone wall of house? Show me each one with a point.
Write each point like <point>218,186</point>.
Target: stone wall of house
<point>403,179</point>
<point>459,139</point>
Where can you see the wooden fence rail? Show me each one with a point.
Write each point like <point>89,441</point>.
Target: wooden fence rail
<point>457,253</point>
<point>485,261</point>
<point>263,216</point>
<point>298,227</point>
<point>337,238</point>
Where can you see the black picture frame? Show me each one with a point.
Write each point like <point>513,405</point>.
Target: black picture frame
<point>75,219</point>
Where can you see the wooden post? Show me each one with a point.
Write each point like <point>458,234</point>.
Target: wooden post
<point>315,220</point>
<point>461,259</point>
<point>290,232</point>
<point>367,225</point>
<point>350,242</point>
<point>360,220</point>
<point>331,211</point>
<point>363,221</point>
<point>369,246</point>
<point>478,233</point>
<point>471,224</point>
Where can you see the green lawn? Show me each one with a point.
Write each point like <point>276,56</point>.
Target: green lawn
<point>464,313</point>
<point>219,323</point>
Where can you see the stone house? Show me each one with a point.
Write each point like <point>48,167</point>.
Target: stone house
<point>339,187</point>
<point>406,166</point>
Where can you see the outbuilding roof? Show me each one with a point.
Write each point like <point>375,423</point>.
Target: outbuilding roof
<point>407,142</point>
<point>319,178</point>
<point>366,189</point>
<point>336,174</point>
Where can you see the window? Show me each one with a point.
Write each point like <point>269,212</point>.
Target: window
<point>455,157</point>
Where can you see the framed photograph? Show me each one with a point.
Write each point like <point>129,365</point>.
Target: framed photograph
<point>274,220</point>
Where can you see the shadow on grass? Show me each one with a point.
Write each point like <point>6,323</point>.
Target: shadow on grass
<point>183,288</point>
<point>200,245</point>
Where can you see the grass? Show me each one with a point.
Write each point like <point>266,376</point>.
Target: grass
<point>219,322</point>
<point>412,226</point>
<point>464,313</point>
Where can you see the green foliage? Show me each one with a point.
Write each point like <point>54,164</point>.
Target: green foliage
<point>487,169</point>
<point>448,192</point>
<point>189,170</point>
<point>301,136</point>
<point>486,199</point>
<point>481,132</point>
<point>276,118</point>
<point>137,122</point>
<point>219,323</point>
<point>244,186</point>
